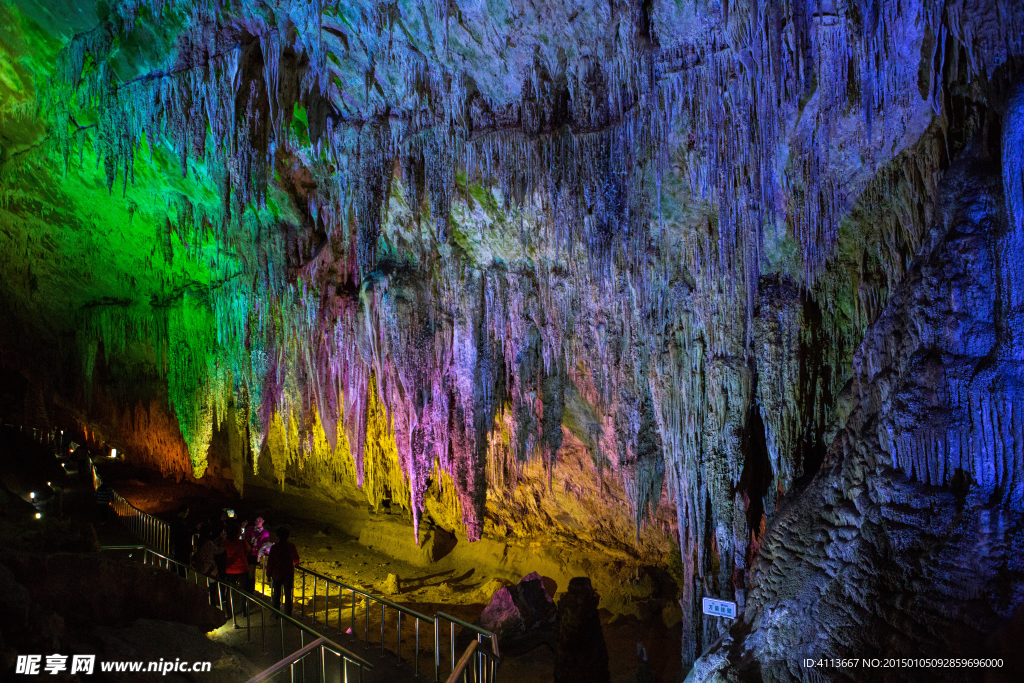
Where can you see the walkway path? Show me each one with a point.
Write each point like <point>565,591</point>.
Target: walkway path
<point>260,638</point>
<point>264,639</point>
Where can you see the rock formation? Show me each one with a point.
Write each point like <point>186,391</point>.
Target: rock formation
<point>581,653</point>
<point>694,252</point>
<point>902,543</point>
<point>518,610</point>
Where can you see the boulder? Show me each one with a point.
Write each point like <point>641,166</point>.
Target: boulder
<point>502,616</point>
<point>534,601</point>
<point>515,610</point>
<point>45,628</point>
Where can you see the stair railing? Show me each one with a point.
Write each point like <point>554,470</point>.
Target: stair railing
<point>357,598</point>
<point>476,665</point>
<point>484,662</point>
<point>154,532</point>
<point>321,645</point>
<point>462,669</point>
<point>231,599</point>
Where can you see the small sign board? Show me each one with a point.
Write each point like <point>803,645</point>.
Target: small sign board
<point>719,608</point>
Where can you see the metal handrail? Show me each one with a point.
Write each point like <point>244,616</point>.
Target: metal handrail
<point>150,557</point>
<point>377,598</point>
<point>291,659</point>
<point>486,670</point>
<point>464,661</point>
<point>154,532</point>
<point>358,595</point>
<point>485,663</point>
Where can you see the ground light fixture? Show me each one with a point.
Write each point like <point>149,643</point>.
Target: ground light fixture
<point>32,495</point>
<point>39,515</point>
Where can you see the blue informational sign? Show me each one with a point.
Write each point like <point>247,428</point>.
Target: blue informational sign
<point>719,608</point>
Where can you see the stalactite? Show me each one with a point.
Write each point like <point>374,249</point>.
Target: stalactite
<point>552,257</point>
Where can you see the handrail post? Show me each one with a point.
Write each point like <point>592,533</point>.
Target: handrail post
<point>339,605</point>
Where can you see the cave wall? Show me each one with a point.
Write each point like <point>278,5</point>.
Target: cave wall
<point>906,542</point>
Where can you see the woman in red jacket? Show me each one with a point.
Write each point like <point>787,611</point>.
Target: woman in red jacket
<point>281,563</point>
<point>237,552</point>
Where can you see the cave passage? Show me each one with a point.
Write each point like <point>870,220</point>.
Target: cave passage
<point>647,340</point>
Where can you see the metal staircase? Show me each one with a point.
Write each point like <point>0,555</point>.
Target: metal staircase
<point>305,645</point>
<point>328,606</point>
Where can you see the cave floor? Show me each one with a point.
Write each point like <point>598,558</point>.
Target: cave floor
<point>327,550</point>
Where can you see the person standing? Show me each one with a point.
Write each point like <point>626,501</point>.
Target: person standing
<point>236,552</point>
<point>103,496</point>
<point>204,562</point>
<point>219,534</point>
<point>236,568</point>
<point>255,535</point>
<point>181,540</point>
<point>281,563</point>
